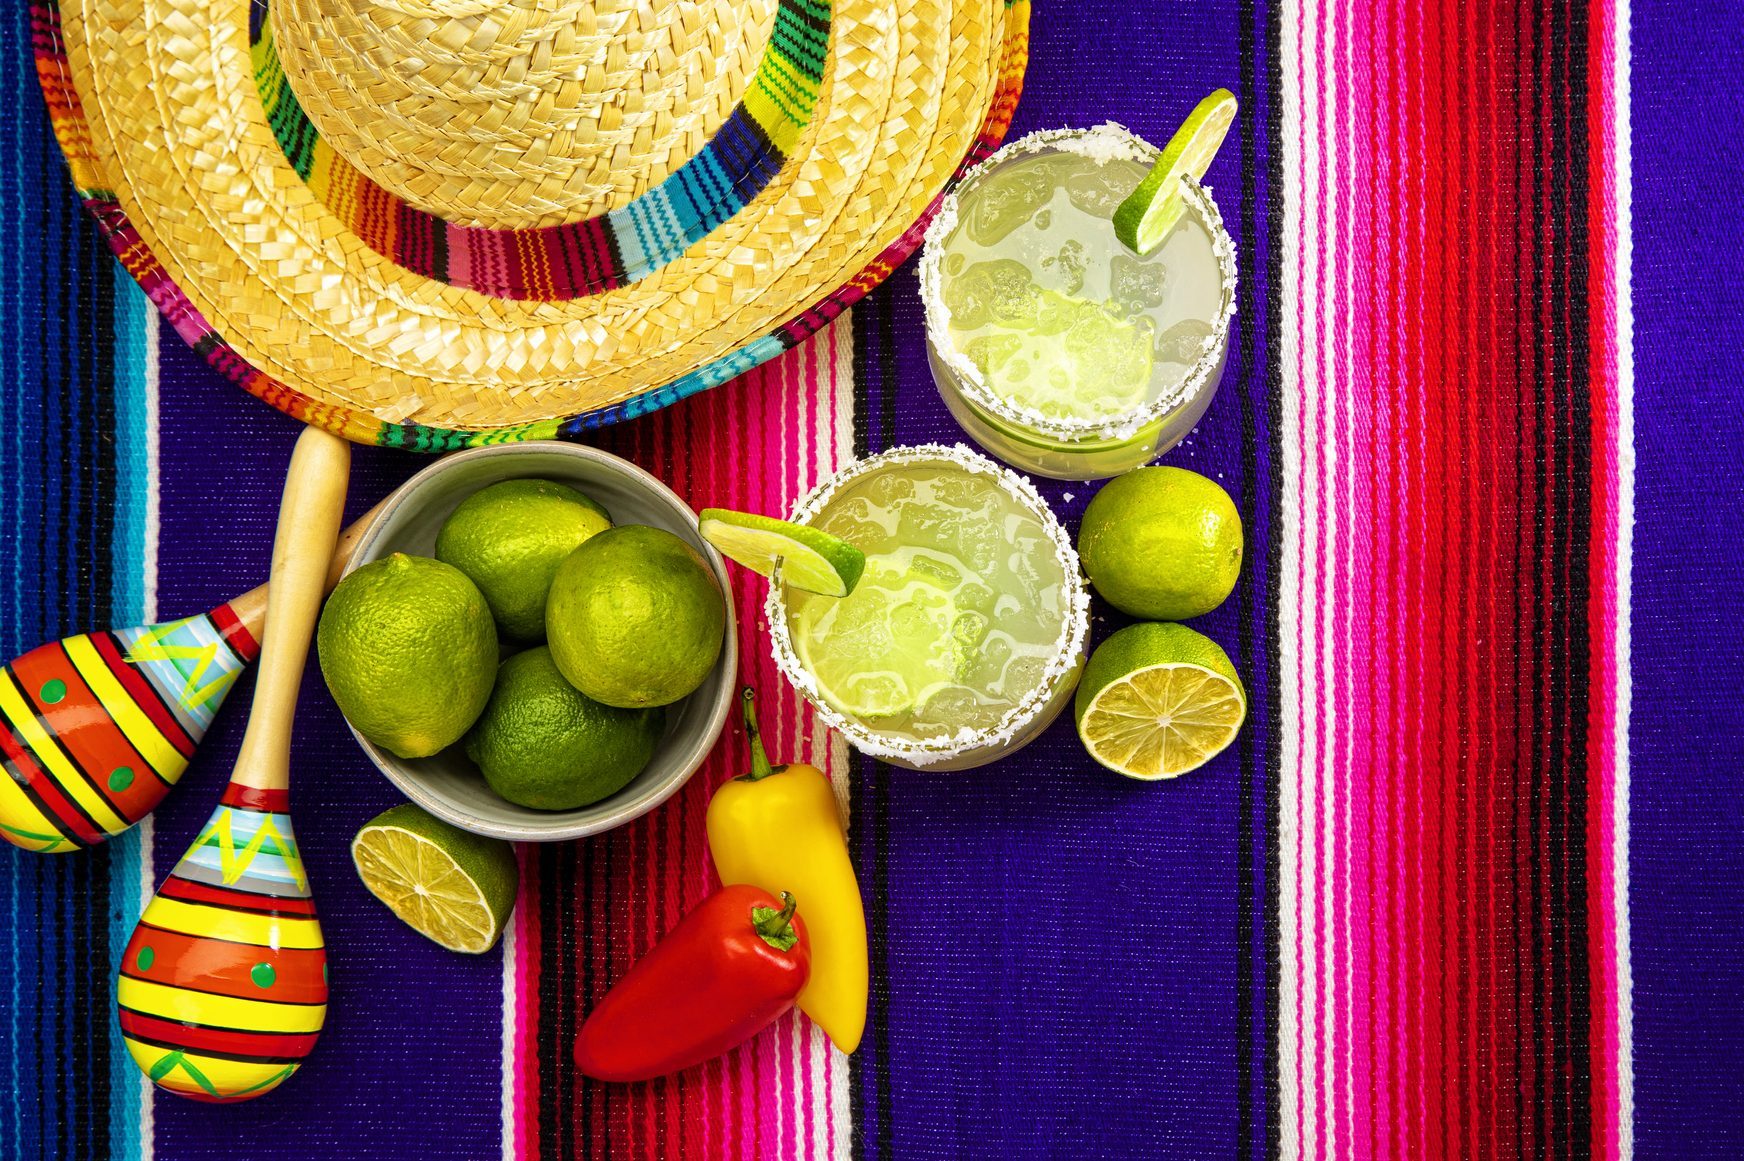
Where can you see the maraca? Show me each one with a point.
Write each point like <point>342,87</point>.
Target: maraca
<point>223,987</point>
<point>95,729</point>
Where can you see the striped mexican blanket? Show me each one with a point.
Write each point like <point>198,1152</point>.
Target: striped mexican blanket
<point>1424,907</point>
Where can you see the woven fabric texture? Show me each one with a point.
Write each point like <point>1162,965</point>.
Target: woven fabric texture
<point>1469,884</point>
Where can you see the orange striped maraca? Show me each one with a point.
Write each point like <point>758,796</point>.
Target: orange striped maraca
<point>95,729</point>
<point>223,987</point>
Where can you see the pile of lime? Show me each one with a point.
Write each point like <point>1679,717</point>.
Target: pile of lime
<point>543,642</point>
<point>541,638</point>
<point>1157,698</point>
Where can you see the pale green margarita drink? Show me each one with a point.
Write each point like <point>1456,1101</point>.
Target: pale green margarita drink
<point>965,635</point>
<point>1061,351</point>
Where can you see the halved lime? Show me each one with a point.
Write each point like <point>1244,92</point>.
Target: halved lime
<point>1147,215</point>
<point>811,560</point>
<point>1158,700</point>
<point>453,886</point>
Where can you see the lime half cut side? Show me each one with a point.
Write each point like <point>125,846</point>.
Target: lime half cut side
<point>1159,700</point>
<point>452,886</point>
<point>1144,219</point>
<point>809,559</point>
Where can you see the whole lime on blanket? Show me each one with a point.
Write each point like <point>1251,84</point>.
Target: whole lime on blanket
<point>455,887</point>
<point>509,539</point>
<point>635,618</point>
<point>543,743</point>
<point>1162,543</point>
<point>409,651</point>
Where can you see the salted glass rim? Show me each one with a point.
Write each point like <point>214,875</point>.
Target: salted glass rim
<point>1101,143</point>
<point>1068,645</point>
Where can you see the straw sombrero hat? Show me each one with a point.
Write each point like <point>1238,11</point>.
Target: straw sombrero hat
<point>435,222</point>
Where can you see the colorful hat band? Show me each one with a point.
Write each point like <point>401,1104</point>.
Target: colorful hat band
<point>548,263</point>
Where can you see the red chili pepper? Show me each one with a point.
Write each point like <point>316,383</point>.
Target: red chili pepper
<point>728,969</point>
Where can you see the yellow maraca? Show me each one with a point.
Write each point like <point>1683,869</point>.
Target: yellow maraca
<point>96,728</point>
<point>223,987</point>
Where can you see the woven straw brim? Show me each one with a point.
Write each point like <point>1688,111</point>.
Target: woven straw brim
<point>520,113</point>
<point>178,136</point>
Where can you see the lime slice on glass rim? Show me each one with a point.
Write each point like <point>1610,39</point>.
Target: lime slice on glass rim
<point>1144,219</point>
<point>809,559</point>
<point>455,887</point>
<point>1157,700</point>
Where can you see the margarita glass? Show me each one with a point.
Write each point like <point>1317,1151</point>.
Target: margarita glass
<point>1057,348</point>
<point>965,635</point>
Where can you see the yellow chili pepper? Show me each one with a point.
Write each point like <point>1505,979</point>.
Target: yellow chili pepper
<point>779,828</point>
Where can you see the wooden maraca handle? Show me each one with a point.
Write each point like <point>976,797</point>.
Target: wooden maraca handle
<point>250,607</point>
<point>309,515</point>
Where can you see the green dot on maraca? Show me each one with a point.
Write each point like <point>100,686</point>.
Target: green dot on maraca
<point>145,959</point>
<point>263,975</point>
<point>53,690</point>
<point>121,778</point>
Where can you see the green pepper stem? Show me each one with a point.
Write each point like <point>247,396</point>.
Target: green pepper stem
<point>778,924</point>
<point>760,767</point>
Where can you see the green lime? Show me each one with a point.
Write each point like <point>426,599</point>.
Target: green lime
<point>1144,219</point>
<point>1164,544</point>
<point>409,652</point>
<point>810,559</point>
<point>1158,700</point>
<point>543,743</point>
<point>453,886</point>
<point>510,538</point>
<point>636,618</point>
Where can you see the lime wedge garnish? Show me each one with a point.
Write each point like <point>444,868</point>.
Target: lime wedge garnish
<point>811,560</point>
<point>1158,700</point>
<point>453,886</point>
<point>1147,215</point>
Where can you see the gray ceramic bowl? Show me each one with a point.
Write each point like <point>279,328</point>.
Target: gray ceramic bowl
<point>448,785</point>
